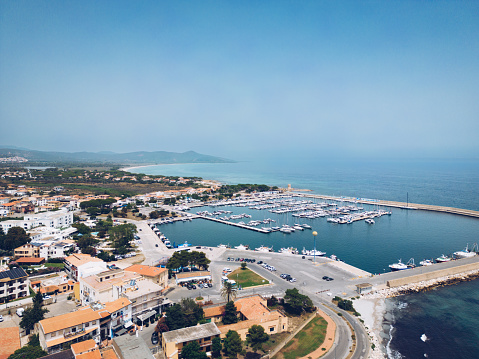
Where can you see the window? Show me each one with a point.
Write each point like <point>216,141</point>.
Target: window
<point>87,324</point>
<point>271,329</point>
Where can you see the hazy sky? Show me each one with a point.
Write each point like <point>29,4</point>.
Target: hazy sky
<point>242,78</point>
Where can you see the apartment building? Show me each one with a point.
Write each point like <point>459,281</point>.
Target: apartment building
<point>27,250</point>
<point>81,265</point>
<point>156,275</point>
<point>146,299</point>
<point>174,340</point>
<point>68,329</point>
<point>14,284</point>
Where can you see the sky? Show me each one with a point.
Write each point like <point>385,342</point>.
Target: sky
<point>241,79</point>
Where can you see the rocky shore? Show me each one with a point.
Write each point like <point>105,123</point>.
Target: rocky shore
<point>423,286</point>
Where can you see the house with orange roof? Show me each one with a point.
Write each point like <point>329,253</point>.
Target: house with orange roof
<point>84,347</point>
<point>155,274</point>
<point>10,341</point>
<point>69,328</point>
<point>27,250</point>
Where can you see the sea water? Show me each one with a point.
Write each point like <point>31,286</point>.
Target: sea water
<point>448,316</point>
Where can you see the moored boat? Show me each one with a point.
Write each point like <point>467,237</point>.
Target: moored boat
<point>426,262</point>
<point>443,259</point>
<point>398,266</point>
<point>466,253</point>
<point>264,249</point>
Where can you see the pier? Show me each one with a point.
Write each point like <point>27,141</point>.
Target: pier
<point>260,230</point>
<point>402,205</point>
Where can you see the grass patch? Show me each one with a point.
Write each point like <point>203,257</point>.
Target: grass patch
<point>59,265</point>
<point>247,278</point>
<point>307,340</point>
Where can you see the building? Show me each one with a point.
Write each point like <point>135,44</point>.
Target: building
<point>52,284</point>
<point>189,276</point>
<point>57,219</point>
<point>10,341</point>
<point>69,328</point>
<point>81,265</point>
<point>173,341</point>
<point>364,288</point>
<point>14,284</point>
<point>131,347</point>
<point>146,299</point>
<point>251,310</point>
<point>105,286</point>
<point>30,261</point>
<point>155,274</point>
<point>27,250</point>
<point>87,349</point>
<point>116,317</point>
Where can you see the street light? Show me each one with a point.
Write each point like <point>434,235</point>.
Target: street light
<point>314,253</point>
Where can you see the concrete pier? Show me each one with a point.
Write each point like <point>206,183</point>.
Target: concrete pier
<point>234,224</point>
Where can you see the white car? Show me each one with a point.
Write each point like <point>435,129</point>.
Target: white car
<point>1,318</point>
<point>46,297</point>
<point>227,270</point>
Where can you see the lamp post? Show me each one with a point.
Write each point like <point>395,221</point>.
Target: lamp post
<point>314,249</point>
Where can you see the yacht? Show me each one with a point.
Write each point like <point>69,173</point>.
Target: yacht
<point>312,252</point>
<point>264,249</point>
<point>242,247</point>
<point>398,266</point>
<point>370,221</point>
<point>307,226</point>
<point>289,250</point>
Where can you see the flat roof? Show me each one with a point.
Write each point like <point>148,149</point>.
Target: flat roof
<point>364,285</point>
<point>191,333</point>
<point>132,347</point>
<point>193,274</point>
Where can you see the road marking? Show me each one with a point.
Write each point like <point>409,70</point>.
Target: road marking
<point>309,275</point>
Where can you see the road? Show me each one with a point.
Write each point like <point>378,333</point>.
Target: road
<point>308,280</point>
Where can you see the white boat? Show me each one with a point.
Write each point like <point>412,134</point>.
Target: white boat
<point>242,247</point>
<point>264,249</point>
<point>443,259</point>
<point>307,226</point>
<point>167,243</point>
<point>312,252</point>
<point>223,246</point>
<point>466,253</point>
<point>370,221</point>
<point>426,262</point>
<point>289,250</point>
<point>298,227</point>
<point>285,230</point>
<point>398,266</point>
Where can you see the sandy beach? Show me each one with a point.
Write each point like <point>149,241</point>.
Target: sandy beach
<point>372,312</point>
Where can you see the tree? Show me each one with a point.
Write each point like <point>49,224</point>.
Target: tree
<point>243,265</point>
<point>193,351</point>
<point>122,235</point>
<point>192,312</point>
<point>296,302</point>
<point>229,316</point>
<point>34,314</point>
<point>174,317</point>
<point>161,326</point>
<point>216,347</point>
<point>257,337</point>
<point>232,344</point>
<point>15,237</point>
<point>228,291</point>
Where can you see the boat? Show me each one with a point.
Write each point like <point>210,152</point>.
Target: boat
<point>298,227</point>
<point>307,226</point>
<point>411,263</point>
<point>167,243</point>
<point>312,252</point>
<point>289,250</point>
<point>264,249</point>
<point>398,266</point>
<point>370,221</point>
<point>223,246</point>
<point>184,245</point>
<point>466,253</point>
<point>426,262</point>
<point>285,230</point>
<point>443,259</point>
<point>242,247</point>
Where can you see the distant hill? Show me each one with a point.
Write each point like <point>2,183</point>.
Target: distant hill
<point>106,157</point>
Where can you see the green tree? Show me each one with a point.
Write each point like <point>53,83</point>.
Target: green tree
<point>230,316</point>
<point>122,235</point>
<point>257,337</point>
<point>228,291</point>
<point>243,265</point>
<point>34,314</point>
<point>15,237</point>
<point>174,317</point>
<point>82,228</point>
<point>193,351</point>
<point>192,312</point>
<point>232,344</point>
<point>216,347</point>
<point>296,302</point>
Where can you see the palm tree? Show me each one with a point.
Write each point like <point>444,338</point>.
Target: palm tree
<point>228,291</point>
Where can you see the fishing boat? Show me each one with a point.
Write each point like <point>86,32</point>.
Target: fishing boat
<point>398,266</point>
<point>223,246</point>
<point>242,247</point>
<point>443,259</point>
<point>426,262</point>
<point>466,253</point>
<point>264,249</point>
<point>289,250</point>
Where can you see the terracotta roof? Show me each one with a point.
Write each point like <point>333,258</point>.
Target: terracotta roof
<point>215,311</point>
<point>192,274</point>
<point>68,320</point>
<point>30,260</point>
<point>10,341</point>
<point>109,354</point>
<point>84,346</point>
<point>252,307</point>
<point>116,305</point>
<point>62,340</point>
<point>78,259</point>
<point>90,355</point>
<point>248,323</point>
<point>147,271</point>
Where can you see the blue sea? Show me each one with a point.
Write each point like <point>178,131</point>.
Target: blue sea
<point>447,316</point>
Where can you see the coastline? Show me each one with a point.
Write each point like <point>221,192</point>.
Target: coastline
<point>372,312</point>
<point>127,169</point>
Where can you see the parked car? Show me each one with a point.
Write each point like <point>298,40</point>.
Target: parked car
<point>1,318</point>
<point>154,338</point>
<point>46,297</point>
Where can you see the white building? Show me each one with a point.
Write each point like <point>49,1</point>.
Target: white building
<point>57,219</point>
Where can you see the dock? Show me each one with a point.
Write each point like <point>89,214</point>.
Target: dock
<point>260,230</point>
<point>401,205</point>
